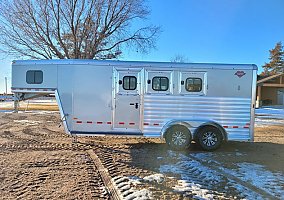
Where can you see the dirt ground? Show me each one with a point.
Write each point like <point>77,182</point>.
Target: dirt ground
<point>39,161</point>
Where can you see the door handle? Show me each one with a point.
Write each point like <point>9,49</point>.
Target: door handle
<point>136,105</point>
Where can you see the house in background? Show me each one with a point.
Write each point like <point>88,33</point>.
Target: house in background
<point>270,90</point>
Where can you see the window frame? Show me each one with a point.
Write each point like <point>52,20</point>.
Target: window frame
<point>194,78</point>
<point>123,81</point>
<point>34,75</point>
<point>160,77</point>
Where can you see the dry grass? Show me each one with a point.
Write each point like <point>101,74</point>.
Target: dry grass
<point>29,107</point>
<point>40,107</point>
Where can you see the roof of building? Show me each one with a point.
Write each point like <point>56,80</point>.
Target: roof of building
<point>269,78</point>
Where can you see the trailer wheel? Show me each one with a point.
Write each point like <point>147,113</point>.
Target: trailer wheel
<point>178,137</point>
<point>209,138</point>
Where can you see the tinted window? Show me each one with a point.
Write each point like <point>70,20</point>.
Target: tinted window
<point>193,84</point>
<point>129,83</point>
<point>160,83</point>
<point>34,77</point>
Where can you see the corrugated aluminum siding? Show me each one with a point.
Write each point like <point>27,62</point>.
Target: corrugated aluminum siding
<point>231,113</point>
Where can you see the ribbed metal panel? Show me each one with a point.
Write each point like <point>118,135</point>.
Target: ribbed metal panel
<point>231,113</point>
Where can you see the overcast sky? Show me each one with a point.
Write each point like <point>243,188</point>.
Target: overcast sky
<point>220,31</point>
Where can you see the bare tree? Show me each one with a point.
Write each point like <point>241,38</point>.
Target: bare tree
<point>179,58</point>
<point>87,29</point>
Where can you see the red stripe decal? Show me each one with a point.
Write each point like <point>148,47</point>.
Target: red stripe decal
<point>225,126</point>
<point>99,122</point>
<point>235,126</point>
<point>156,124</point>
<point>131,123</point>
<point>121,123</point>
<point>79,122</point>
<point>146,124</point>
<point>89,122</point>
<point>108,122</point>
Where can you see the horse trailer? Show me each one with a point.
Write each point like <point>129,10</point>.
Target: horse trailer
<point>180,102</point>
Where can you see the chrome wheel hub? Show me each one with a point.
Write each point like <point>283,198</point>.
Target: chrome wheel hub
<point>209,139</point>
<point>178,138</point>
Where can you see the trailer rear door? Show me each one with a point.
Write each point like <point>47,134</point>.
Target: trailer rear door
<point>127,100</point>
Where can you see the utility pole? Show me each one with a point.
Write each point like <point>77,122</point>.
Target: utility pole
<point>6,85</point>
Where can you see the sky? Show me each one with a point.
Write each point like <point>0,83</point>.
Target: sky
<point>206,31</point>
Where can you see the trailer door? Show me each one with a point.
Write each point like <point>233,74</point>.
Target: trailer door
<point>127,100</point>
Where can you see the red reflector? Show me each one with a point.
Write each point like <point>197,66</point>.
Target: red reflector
<point>131,123</point>
<point>99,122</point>
<point>121,123</point>
<point>225,126</point>
<point>156,124</point>
<point>146,124</point>
<point>108,122</point>
<point>89,122</point>
<point>246,126</point>
<point>79,122</point>
<point>235,127</point>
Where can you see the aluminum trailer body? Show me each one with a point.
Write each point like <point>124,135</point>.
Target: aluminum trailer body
<point>144,98</point>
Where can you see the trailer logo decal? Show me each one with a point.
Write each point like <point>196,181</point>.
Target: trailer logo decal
<point>240,74</point>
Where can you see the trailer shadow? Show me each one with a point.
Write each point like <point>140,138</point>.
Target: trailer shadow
<point>150,156</point>
<point>205,171</point>
<point>147,155</point>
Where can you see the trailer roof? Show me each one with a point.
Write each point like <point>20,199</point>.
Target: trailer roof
<point>134,64</point>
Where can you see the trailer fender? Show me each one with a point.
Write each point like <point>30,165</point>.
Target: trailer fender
<point>214,124</point>
<point>172,123</point>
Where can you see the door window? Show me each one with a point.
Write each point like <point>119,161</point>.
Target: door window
<point>160,83</point>
<point>129,83</point>
<point>193,84</point>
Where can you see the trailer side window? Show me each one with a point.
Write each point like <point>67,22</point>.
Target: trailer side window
<point>129,83</point>
<point>160,83</point>
<point>193,84</point>
<point>34,77</point>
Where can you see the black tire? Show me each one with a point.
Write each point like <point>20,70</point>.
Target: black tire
<point>209,138</point>
<point>178,137</point>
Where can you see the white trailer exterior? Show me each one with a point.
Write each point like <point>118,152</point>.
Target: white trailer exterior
<point>208,103</point>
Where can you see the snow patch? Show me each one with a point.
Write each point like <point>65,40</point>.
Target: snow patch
<point>198,193</point>
<point>27,122</point>
<point>134,180</point>
<point>258,176</point>
<point>126,190</point>
<point>201,182</point>
<point>143,194</point>
<point>269,116</point>
<point>159,178</point>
